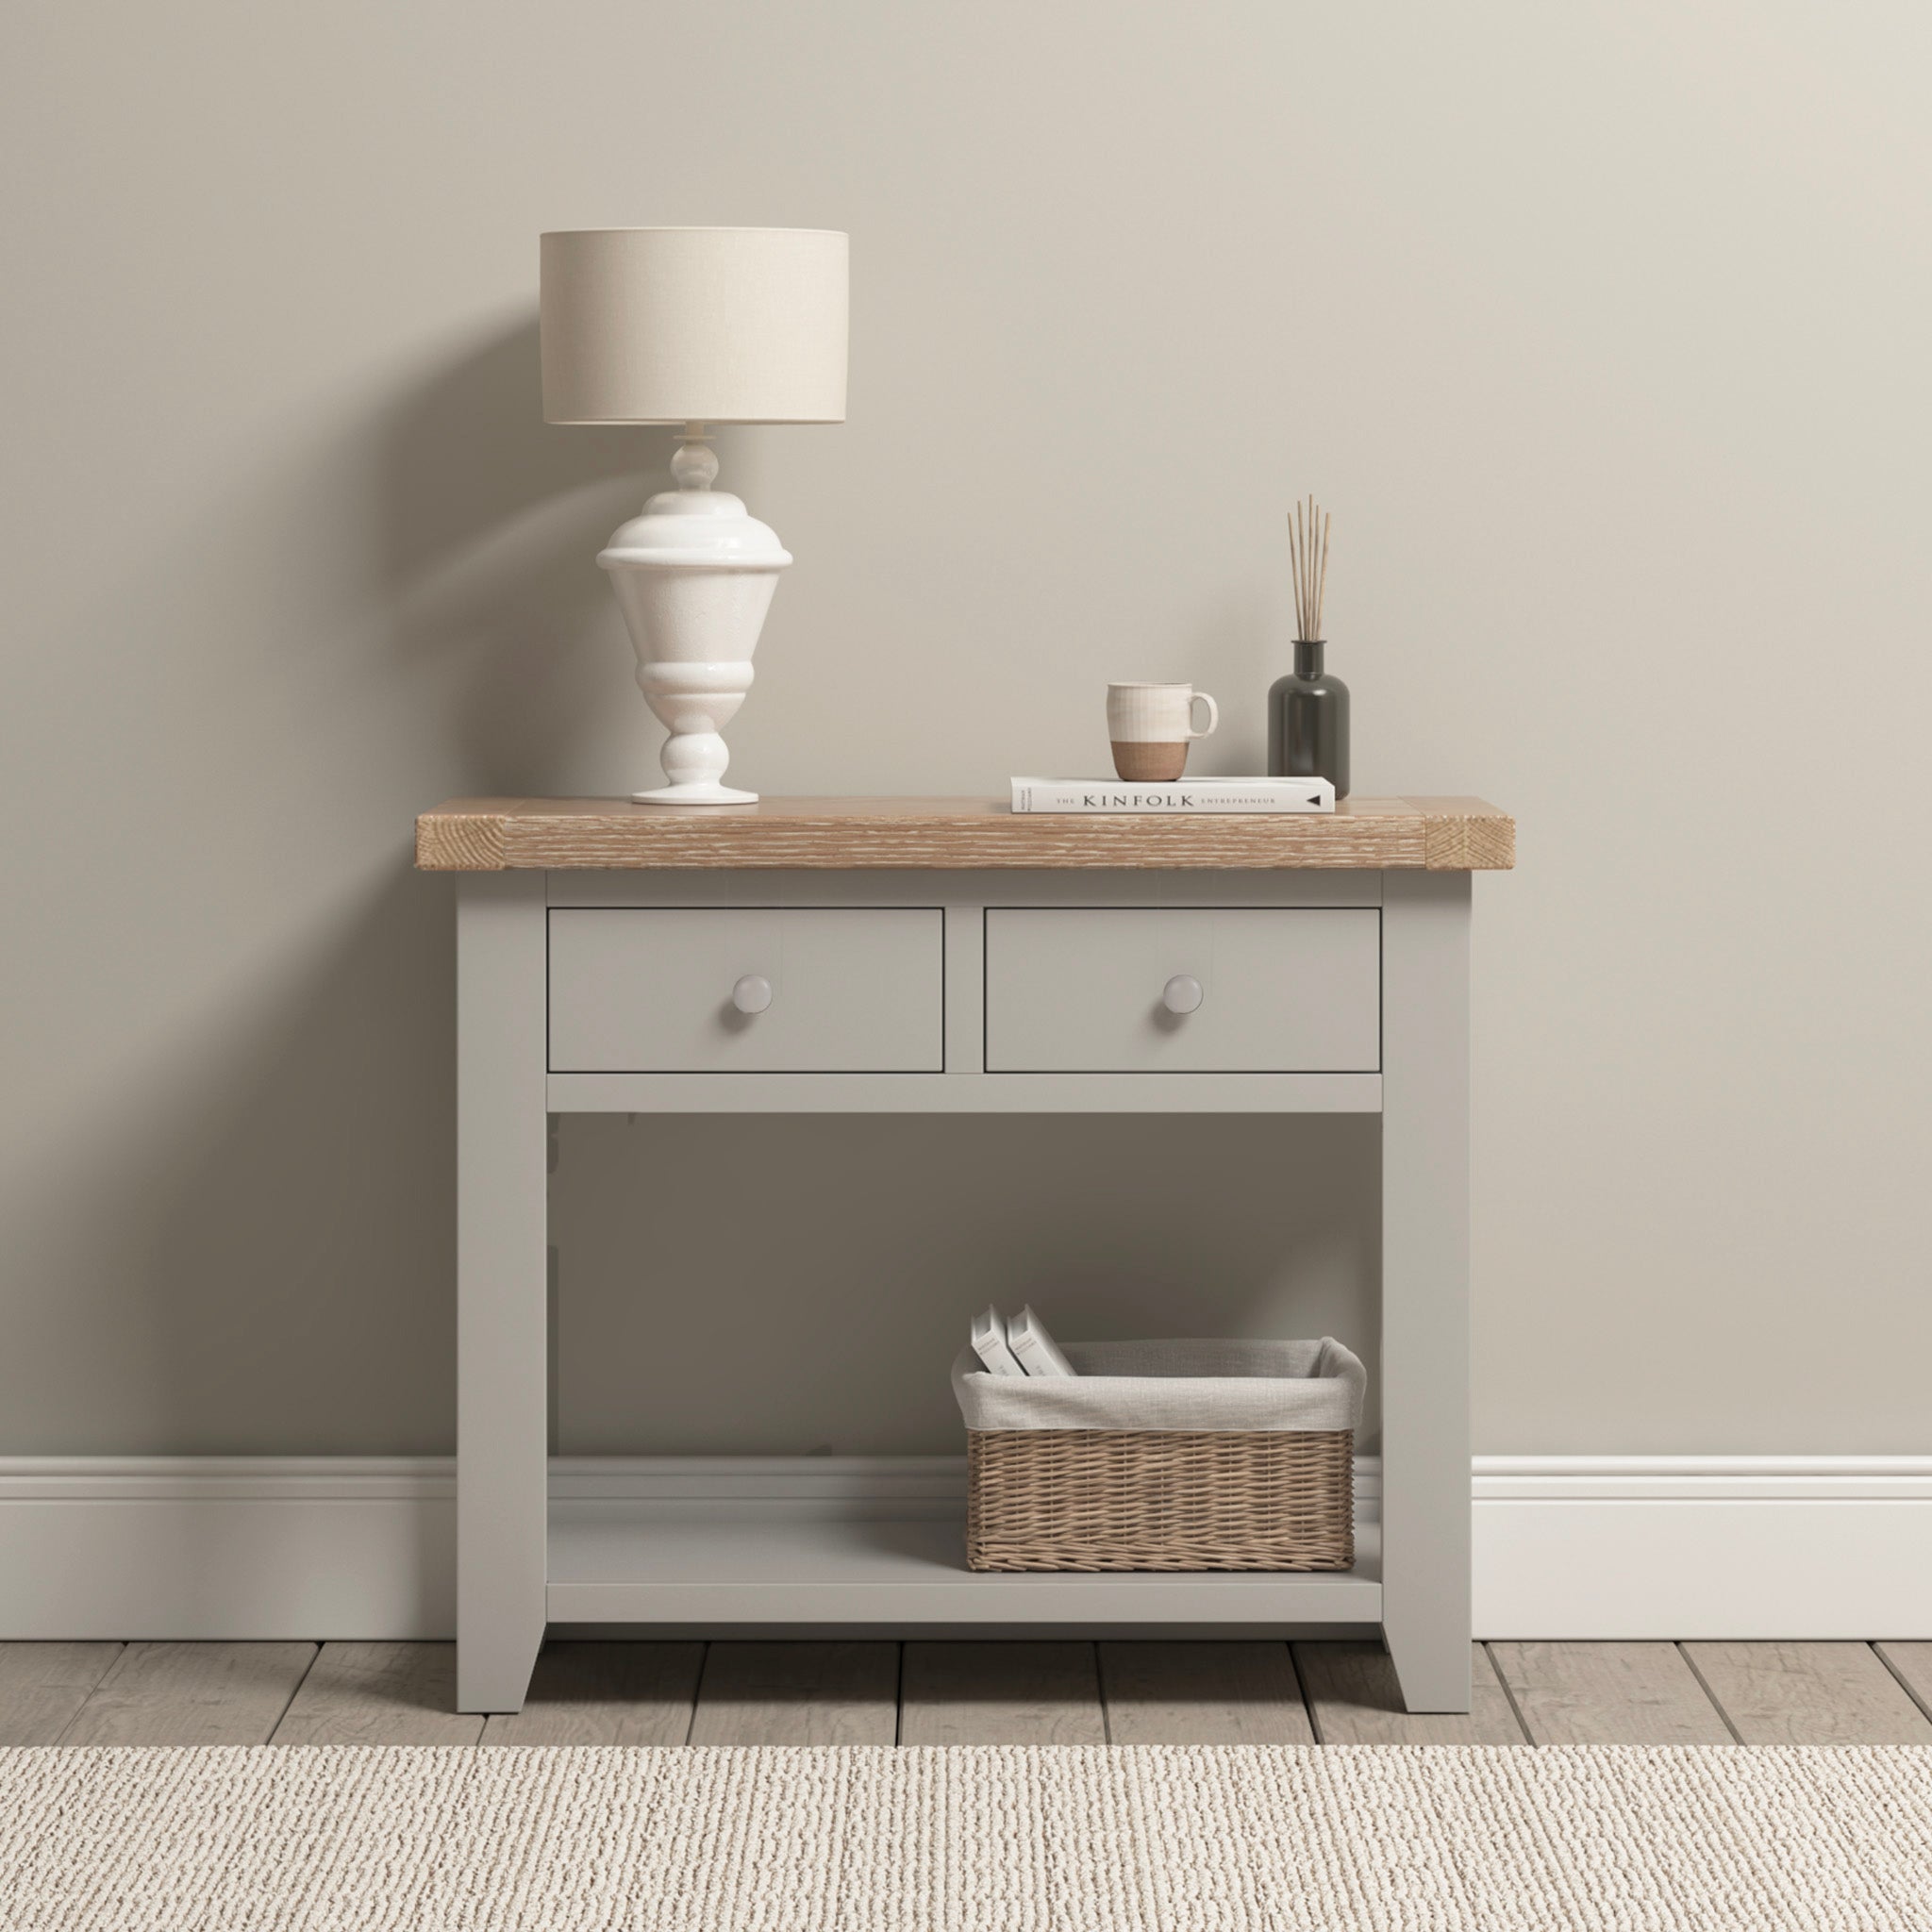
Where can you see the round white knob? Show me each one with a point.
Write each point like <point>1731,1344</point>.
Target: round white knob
<point>752,994</point>
<point>1181,994</point>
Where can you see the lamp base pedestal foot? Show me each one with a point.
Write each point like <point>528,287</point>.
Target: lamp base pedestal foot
<point>695,792</point>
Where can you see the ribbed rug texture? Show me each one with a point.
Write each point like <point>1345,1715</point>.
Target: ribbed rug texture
<point>1180,1838</point>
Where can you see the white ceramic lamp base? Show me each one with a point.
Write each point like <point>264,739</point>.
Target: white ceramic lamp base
<point>695,791</point>
<point>694,576</point>
<point>694,701</point>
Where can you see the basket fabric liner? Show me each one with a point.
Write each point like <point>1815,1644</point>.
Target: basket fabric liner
<point>1193,1387</point>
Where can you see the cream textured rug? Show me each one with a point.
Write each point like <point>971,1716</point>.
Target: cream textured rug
<point>1178,1839</point>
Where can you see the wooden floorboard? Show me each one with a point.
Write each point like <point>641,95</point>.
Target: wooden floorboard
<point>43,1686</point>
<point>1202,1694</point>
<point>1355,1699</point>
<point>380,1694</point>
<point>1911,1663</point>
<point>1809,1693</point>
<point>192,1693</point>
<point>1001,1693</point>
<point>1607,1694</point>
<point>604,1693</point>
<point>799,1694</point>
<point>985,1692</point>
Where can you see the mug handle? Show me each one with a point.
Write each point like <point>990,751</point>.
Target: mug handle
<point>1201,697</point>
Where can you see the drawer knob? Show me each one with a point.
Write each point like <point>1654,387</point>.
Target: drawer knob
<point>752,994</point>
<point>1182,993</point>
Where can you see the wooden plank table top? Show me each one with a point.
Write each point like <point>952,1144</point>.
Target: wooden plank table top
<point>957,835</point>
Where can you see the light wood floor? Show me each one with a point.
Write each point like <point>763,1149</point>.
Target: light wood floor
<point>965,1693</point>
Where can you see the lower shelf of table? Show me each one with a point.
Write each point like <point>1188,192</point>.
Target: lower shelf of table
<point>612,1562</point>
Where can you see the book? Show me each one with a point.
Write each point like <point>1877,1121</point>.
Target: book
<point>1184,796</point>
<point>1038,1352</point>
<point>989,1340</point>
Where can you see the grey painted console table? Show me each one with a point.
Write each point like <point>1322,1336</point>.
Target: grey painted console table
<point>916,955</point>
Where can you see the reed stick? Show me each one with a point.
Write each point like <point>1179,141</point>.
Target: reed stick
<point>1295,554</point>
<point>1294,558</point>
<point>1322,582</point>
<point>1307,549</point>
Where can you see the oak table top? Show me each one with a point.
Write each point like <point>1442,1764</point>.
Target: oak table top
<point>954,835</point>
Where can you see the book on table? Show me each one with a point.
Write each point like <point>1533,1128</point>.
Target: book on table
<point>1183,796</point>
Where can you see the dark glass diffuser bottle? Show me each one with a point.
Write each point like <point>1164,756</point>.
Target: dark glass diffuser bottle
<point>1307,721</point>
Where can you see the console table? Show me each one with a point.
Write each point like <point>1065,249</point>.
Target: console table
<point>928,956</point>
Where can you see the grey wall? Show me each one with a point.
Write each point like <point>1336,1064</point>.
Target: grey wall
<point>1600,328</point>
<point>822,1311</point>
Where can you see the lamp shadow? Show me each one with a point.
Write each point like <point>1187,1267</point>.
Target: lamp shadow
<point>257,1216</point>
<point>467,451</point>
<point>485,525</point>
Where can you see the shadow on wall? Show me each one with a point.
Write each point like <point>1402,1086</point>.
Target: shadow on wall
<point>486,521</point>
<point>233,1233</point>
<point>466,452</point>
<point>238,1224</point>
<point>308,1229</point>
<point>873,1240</point>
<point>251,1231</point>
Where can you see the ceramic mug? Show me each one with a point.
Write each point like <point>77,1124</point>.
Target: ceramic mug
<point>1150,727</point>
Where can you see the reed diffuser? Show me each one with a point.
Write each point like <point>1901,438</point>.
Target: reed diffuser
<point>1308,711</point>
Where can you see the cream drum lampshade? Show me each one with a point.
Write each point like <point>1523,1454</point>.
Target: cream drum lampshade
<point>695,327</point>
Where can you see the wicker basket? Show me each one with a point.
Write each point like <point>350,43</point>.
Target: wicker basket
<point>1128,1499</point>
<point>1170,1498</point>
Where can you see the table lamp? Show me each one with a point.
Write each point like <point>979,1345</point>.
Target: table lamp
<point>695,326</point>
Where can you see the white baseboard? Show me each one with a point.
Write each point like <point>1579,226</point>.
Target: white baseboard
<point>206,1547</point>
<point>364,1547</point>
<point>1713,1546</point>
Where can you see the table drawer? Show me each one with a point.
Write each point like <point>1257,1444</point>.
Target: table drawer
<point>1281,991</point>
<point>650,990</point>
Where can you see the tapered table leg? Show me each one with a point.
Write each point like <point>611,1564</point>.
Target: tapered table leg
<point>502,1239</point>
<point>1425,1490</point>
